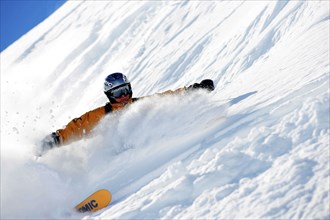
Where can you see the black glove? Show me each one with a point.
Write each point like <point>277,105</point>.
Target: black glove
<point>50,141</point>
<point>204,84</point>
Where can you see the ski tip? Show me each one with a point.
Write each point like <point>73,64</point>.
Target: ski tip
<point>98,200</point>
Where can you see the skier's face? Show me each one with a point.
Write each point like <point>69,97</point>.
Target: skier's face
<point>123,99</point>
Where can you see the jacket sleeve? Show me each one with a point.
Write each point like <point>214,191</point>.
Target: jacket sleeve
<point>82,126</point>
<point>167,92</point>
<point>177,91</point>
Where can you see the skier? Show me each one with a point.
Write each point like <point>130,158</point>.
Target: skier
<point>119,92</point>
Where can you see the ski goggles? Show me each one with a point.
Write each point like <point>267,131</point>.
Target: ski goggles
<point>119,91</point>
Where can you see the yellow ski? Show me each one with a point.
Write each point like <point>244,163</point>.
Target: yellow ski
<point>95,202</point>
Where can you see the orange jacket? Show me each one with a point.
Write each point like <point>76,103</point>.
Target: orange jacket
<point>82,126</point>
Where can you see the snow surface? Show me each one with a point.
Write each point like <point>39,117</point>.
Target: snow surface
<point>255,148</point>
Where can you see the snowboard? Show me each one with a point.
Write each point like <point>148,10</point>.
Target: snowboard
<point>95,202</point>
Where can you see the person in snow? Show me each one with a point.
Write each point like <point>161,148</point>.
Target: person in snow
<point>119,92</point>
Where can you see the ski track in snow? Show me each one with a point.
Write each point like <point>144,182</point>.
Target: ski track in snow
<point>255,148</point>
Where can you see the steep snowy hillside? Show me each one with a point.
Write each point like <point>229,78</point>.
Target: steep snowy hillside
<point>255,148</point>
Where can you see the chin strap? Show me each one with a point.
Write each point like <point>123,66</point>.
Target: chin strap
<point>108,108</point>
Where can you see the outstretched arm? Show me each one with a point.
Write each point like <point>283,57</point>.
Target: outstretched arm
<point>204,84</point>
<point>76,129</point>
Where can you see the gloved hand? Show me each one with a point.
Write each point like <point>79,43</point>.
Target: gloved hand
<point>50,141</point>
<point>204,84</point>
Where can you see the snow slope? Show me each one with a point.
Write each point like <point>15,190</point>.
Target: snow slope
<point>255,148</point>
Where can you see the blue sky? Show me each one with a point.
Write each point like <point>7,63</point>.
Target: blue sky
<point>20,16</point>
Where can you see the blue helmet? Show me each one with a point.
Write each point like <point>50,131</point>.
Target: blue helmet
<point>116,85</point>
